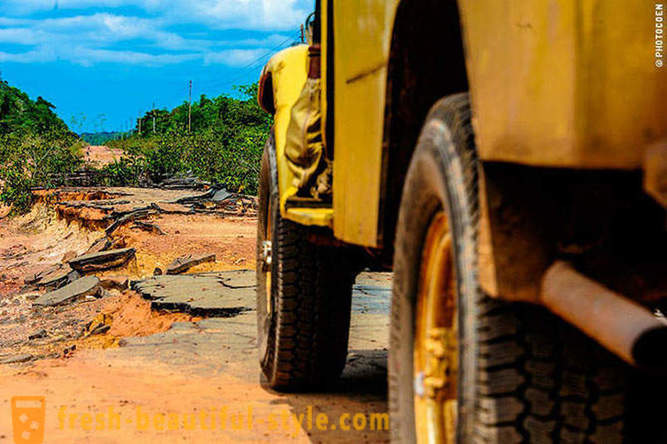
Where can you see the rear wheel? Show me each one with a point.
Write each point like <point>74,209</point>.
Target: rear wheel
<point>464,367</point>
<point>304,295</point>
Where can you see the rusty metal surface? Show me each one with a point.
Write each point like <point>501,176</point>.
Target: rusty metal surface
<point>603,222</point>
<point>515,244</point>
<point>655,172</point>
<point>564,83</point>
<point>613,320</point>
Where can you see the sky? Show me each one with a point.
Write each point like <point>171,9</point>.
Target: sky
<point>105,62</point>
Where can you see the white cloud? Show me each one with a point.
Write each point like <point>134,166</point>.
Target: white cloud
<point>105,38</point>
<point>88,57</point>
<point>219,14</point>
<point>21,36</point>
<point>234,57</point>
<point>247,14</point>
<point>97,28</point>
<point>38,55</point>
<point>7,21</point>
<point>25,7</point>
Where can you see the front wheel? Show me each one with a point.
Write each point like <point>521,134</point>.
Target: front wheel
<point>466,368</point>
<point>304,295</point>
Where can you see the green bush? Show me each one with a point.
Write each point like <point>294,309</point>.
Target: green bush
<point>34,161</point>
<point>36,147</point>
<point>214,156</point>
<point>127,171</point>
<point>224,145</point>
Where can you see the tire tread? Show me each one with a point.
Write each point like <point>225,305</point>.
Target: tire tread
<point>536,379</point>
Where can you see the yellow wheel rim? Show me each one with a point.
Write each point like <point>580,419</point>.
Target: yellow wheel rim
<point>267,258</point>
<point>436,338</point>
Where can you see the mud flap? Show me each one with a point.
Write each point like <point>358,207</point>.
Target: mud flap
<point>304,147</point>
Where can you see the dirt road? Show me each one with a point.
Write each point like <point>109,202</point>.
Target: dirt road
<point>101,155</point>
<point>172,358</point>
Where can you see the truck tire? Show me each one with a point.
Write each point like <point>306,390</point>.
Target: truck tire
<point>304,295</point>
<point>488,371</point>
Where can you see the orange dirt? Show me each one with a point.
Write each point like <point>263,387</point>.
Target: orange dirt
<point>232,240</point>
<point>101,155</point>
<point>127,314</point>
<point>32,243</point>
<point>144,389</point>
<point>45,196</point>
<point>103,383</point>
<point>131,315</point>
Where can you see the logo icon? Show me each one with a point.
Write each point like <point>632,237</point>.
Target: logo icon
<point>28,419</point>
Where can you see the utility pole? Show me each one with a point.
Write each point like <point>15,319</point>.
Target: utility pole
<point>190,109</point>
<point>303,39</point>
<point>153,112</point>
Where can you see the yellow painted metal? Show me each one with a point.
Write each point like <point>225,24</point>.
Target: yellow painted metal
<point>321,217</point>
<point>361,55</point>
<point>362,33</point>
<point>435,356</point>
<point>288,69</point>
<point>268,235</point>
<point>565,83</point>
<point>324,74</point>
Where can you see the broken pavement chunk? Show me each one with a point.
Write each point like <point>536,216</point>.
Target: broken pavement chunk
<point>184,263</point>
<point>56,278</point>
<point>102,260</point>
<point>99,325</point>
<point>196,294</point>
<point>69,256</point>
<point>184,183</point>
<point>171,208</point>
<point>130,217</point>
<point>221,195</point>
<point>115,283</point>
<point>38,334</point>
<point>16,359</point>
<point>36,277</point>
<point>101,244</point>
<point>77,289</point>
<point>151,228</point>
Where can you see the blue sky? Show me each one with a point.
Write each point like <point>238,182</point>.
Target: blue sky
<point>103,62</point>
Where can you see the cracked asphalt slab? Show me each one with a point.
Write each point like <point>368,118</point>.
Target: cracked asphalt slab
<point>235,332</point>
<point>207,294</point>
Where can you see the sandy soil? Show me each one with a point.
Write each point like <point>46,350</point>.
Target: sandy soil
<point>38,240</point>
<point>101,155</point>
<point>146,397</point>
<point>232,240</point>
<point>87,381</point>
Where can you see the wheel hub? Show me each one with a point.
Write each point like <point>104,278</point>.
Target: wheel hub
<point>266,254</point>
<point>436,339</point>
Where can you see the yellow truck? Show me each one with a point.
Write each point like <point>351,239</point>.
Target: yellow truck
<point>508,161</point>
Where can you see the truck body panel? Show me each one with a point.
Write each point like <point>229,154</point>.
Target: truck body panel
<point>362,33</point>
<point>564,83</point>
